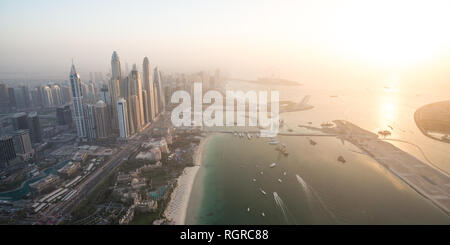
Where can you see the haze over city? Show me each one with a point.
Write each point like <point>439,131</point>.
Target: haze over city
<point>217,113</point>
<point>354,41</point>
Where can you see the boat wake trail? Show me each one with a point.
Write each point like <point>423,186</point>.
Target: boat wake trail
<point>283,208</point>
<point>310,193</point>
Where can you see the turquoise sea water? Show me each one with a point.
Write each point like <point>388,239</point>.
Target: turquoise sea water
<point>315,188</point>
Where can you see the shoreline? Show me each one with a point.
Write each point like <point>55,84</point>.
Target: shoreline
<point>179,198</point>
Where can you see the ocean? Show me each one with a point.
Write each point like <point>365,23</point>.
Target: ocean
<point>309,186</point>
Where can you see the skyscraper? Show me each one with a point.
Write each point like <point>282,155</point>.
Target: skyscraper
<point>77,100</point>
<point>145,107</point>
<point>47,96</point>
<point>135,89</point>
<point>102,120</point>
<point>147,80</point>
<point>7,152</point>
<point>4,98</point>
<point>22,144</point>
<point>122,114</point>
<point>20,121</point>
<point>64,115</point>
<point>133,107</point>
<point>158,88</point>
<point>114,88</point>
<point>56,95</point>
<point>35,127</point>
<point>90,122</point>
<point>12,99</point>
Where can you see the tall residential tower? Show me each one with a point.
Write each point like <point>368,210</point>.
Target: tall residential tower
<point>77,100</point>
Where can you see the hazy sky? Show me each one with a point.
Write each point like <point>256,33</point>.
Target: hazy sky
<point>303,40</point>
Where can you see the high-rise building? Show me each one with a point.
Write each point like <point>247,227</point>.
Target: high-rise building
<point>135,89</point>
<point>36,97</point>
<point>20,98</point>
<point>56,95</point>
<point>64,115</point>
<point>22,144</point>
<point>158,92</point>
<point>90,122</point>
<point>35,127</point>
<point>47,96</point>
<point>26,96</point>
<point>77,100</point>
<point>20,121</point>
<point>145,107</point>
<point>4,98</point>
<point>12,99</point>
<point>102,120</point>
<point>114,88</point>
<point>133,112</point>
<point>122,114</point>
<point>7,151</point>
<point>147,81</point>
<point>65,91</point>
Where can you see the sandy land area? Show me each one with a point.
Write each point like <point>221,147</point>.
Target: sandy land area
<point>179,199</point>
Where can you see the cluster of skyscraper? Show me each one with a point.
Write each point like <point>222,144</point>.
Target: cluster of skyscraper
<point>22,97</point>
<point>129,104</point>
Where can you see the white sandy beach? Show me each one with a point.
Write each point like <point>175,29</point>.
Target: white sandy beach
<point>179,199</point>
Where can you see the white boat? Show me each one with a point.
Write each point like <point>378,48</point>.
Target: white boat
<point>284,173</point>
<point>279,180</point>
<point>263,214</point>
<point>249,136</point>
<point>261,172</point>
<point>262,191</point>
<point>248,209</point>
<point>273,142</point>
<point>272,165</point>
<point>254,180</point>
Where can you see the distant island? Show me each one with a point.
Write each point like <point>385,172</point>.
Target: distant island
<point>433,120</point>
<point>271,81</point>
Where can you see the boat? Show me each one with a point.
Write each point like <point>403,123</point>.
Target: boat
<point>341,159</point>
<point>312,142</point>
<point>328,124</point>
<point>273,142</point>
<point>263,214</point>
<point>279,180</point>
<point>254,180</point>
<point>248,209</point>
<point>249,136</point>
<point>284,173</point>
<point>262,191</point>
<point>272,165</point>
<point>261,172</point>
<point>282,150</point>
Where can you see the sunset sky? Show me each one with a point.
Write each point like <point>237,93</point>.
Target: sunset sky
<point>351,40</point>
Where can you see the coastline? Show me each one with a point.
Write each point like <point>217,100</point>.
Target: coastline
<point>179,199</point>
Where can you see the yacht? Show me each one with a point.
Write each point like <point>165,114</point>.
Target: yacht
<point>273,142</point>
<point>248,209</point>
<point>249,136</point>
<point>273,165</point>
<point>262,191</point>
<point>254,180</point>
<point>279,180</point>
<point>263,214</point>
